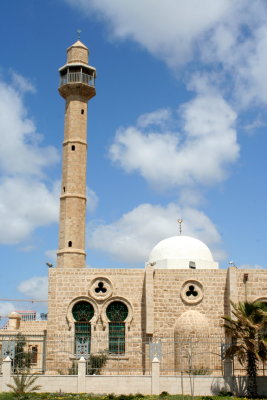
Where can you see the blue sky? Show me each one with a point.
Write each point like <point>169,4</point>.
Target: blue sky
<point>177,129</point>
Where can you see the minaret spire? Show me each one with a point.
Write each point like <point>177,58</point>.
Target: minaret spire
<point>180,221</point>
<point>77,86</point>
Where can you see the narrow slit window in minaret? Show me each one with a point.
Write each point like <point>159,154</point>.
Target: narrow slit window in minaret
<point>64,189</point>
<point>70,243</point>
<point>82,111</point>
<point>73,147</point>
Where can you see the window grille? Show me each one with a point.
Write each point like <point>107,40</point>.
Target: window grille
<point>117,313</point>
<point>82,338</point>
<point>117,337</point>
<point>82,312</point>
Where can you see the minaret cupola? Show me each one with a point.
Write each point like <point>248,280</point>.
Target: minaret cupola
<point>77,71</point>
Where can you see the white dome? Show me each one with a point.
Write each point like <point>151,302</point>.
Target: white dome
<point>180,247</point>
<point>182,252</point>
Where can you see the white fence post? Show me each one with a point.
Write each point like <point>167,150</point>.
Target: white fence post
<point>81,375</point>
<point>6,372</point>
<point>155,376</point>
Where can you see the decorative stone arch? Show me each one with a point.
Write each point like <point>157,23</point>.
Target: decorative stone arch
<point>192,323</point>
<point>262,299</point>
<point>191,339</point>
<point>129,317</point>
<point>69,315</point>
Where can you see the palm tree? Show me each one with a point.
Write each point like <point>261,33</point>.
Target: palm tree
<point>24,383</point>
<point>249,339</point>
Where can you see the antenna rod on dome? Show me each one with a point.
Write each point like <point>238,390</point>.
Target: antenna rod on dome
<point>180,221</point>
<point>79,34</point>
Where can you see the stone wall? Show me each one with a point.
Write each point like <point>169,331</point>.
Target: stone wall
<point>252,284</point>
<point>152,384</point>
<point>68,286</point>
<point>171,301</point>
<point>169,304</point>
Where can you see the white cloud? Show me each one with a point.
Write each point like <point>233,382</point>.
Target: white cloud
<point>239,47</point>
<point>252,85</point>
<point>6,308</point>
<point>35,288</point>
<point>26,201</point>
<point>20,141</point>
<point>166,29</point>
<point>228,35</point>
<point>21,83</point>
<point>132,237</point>
<point>252,126</point>
<point>189,196</point>
<point>159,118</point>
<point>200,154</point>
<point>92,200</point>
<point>51,254</point>
<point>24,205</point>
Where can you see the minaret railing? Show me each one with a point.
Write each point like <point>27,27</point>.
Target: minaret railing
<point>73,77</point>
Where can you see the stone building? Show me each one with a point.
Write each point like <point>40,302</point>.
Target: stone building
<point>171,308</point>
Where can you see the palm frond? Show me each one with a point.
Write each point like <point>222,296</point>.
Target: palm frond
<point>248,330</point>
<point>24,383</point>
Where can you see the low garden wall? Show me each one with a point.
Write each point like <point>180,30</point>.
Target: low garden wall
<point>126,384</point>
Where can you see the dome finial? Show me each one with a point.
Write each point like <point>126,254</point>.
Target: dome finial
<point>180,221</point>
<point>79,34</point>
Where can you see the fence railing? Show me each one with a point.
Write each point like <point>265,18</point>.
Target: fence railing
<point>55,354</point>
<point>73,77</point>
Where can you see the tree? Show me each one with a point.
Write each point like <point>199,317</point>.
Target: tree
<point>23,385</point>
<point>248,330</point>
<point>22,358</point>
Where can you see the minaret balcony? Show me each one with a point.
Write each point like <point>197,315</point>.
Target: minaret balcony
<point>77,77</point>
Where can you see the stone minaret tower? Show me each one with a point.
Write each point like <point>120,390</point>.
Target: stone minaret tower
<point>77,86</point>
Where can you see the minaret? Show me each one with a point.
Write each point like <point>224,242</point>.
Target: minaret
<point>77,86</point>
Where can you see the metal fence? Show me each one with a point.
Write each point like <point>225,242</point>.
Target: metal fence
<point>239,370</point>
<point>26,352</point>
<point>57,354</point>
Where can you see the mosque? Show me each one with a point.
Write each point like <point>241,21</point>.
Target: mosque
<point>130,314</point>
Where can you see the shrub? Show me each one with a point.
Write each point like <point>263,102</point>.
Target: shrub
<point>163,394</point>
<point>96,362</point>
<point>198,371</point>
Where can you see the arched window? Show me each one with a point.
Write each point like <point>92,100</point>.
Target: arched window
<point>117,313</point>
<point>82,313</point>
